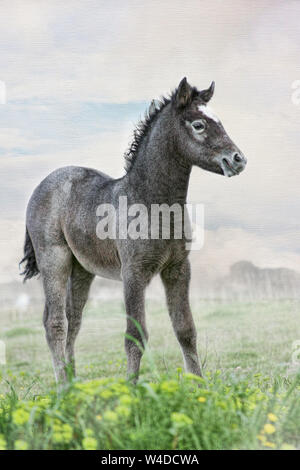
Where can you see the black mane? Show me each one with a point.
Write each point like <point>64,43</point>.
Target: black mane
<point>141,130</point>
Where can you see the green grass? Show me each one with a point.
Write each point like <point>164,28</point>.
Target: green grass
<point>18,332</point>
<point>246,349</point>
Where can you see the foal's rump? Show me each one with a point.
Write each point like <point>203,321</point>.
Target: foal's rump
<point>62,196</point>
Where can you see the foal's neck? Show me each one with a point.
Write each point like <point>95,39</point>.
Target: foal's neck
<point>158,174</point>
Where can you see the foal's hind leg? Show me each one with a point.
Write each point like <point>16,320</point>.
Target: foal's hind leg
<point>77,293</point>
<point>55,266</point>
<point>176,283</point>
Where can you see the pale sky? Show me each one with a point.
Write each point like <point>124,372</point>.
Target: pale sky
<point>79,74</point>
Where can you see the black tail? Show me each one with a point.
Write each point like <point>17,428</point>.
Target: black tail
<point>31,268</point>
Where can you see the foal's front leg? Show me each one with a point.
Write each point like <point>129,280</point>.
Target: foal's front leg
<point>136,332</point>
<point>176,282</point>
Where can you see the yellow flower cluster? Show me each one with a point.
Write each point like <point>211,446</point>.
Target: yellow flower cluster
<point>62,432</point>
<point>2,442</point>
<point>89,415</point>
<point>20,416</point>
<point>181,419</point>
<point>20,445</point>
<point>89,443</point>
<point>268,429</point>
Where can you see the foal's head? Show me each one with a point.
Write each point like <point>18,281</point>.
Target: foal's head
<point>199,136</point>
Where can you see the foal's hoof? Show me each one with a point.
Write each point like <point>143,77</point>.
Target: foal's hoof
<point>132,378</point>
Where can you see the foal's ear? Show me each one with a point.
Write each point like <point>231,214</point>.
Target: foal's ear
<point>206,95</point>
<point>184,93</point>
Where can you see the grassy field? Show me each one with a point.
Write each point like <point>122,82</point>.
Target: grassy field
<point>249,397</point>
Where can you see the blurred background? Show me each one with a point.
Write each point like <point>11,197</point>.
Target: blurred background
<point>79,75</point>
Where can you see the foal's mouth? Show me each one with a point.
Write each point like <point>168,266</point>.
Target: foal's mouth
<point>227,169</point>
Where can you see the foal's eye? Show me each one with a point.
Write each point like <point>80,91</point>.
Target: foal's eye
<point>198,126</point>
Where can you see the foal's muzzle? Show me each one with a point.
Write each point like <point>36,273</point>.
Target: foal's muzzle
<point>232,164</point>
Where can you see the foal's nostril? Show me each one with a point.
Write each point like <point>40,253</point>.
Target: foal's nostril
<point>237,158</point>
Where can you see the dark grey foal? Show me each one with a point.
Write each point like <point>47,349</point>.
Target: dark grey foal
<point>61,227</point>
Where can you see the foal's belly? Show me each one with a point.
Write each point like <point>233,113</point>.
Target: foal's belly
<point>100,259</point>
<point>102,270</point>
<point>103,257</point>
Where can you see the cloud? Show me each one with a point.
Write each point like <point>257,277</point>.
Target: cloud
<point>135,50</point>
<point>15,142</point>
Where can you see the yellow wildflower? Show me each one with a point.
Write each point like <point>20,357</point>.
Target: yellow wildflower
<point>126,400</point>
<point>190,376</point>
<point>2,442</point>
<point>106,393</point>
<point>269,444</point>
<point>154,386</point>
<point>181,420</point>
<point>20,445</point>
<point>63,433</point>
<point>169,386</point>
<point>120,389</point>
<point>272,417</point>
<point>89,443</point>
<point>221,404</point>
<point>122,410</point>
<point>110,416</point>
<point>269,428</point>
<point>20,416</point>
<point>202,399</point>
